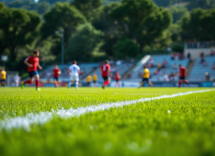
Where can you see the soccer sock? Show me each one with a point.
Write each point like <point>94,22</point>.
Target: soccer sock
<point>5,84</point>
<point>27,81</point>
<point>0,84</point>
<point>37,83</point>
<point>76,85</point>
<point>69,84</point>
<point>185,81</point>
<point>106,83</point>
<point>179,84</point>
<point>141,84</point>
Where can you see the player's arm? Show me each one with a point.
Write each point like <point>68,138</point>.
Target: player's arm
<point>69,71</point>
<point>59,72</point>
<point>78,71</point>
<point>28,64</point>
<point>109,70</point>
<point>38,65</point>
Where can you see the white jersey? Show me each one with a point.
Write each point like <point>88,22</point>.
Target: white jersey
<point>16,78</point>
<point>74,70</point>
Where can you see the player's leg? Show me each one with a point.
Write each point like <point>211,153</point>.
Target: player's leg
<point>37,83</point>
<point>29,81</point>
<point>179,83</point>
<point>77,82</point>
<point>141,84</point>
<point>151,84</point>
<point>185,81</point>
<point>0,83</point>
<point>5,84</point>
<point>107,81</point>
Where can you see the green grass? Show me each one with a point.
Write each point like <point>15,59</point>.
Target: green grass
<point>178,126</point>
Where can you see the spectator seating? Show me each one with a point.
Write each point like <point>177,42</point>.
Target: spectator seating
<point>137,75</point>
<point>198,71</point>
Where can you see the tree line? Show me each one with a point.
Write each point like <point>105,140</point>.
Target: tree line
<point>93,31</point>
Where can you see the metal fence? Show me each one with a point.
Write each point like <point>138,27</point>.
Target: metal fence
<point>199,45</point>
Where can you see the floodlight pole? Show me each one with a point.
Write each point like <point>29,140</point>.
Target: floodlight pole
<point>62,46</point>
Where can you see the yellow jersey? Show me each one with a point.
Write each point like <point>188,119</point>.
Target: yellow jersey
<point>3,75</point>
<point>146,73</point>
<point>94,77</point>
<point>89,78</point>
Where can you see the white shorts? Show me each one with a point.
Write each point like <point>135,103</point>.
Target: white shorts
<point>74,78</point>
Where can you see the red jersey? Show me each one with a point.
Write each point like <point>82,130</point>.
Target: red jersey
<point>182,72</point>
<point>117,77</point>
<point>56,72</point>
<point>34,62</point>
<point>105,68</point>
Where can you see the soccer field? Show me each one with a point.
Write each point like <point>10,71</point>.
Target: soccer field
<point>96,122</point>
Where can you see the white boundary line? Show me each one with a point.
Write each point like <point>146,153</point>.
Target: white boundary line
<point>43,117</point>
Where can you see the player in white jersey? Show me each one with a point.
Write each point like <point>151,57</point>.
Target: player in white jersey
<point>74,71</point>
<point>16,80</point>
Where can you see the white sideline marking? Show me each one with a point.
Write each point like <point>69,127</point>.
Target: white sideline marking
<point>43,117</point>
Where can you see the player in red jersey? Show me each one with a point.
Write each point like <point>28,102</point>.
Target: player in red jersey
<point>117,78</point>
<point>33,62</point>
<point>56,72</point>
<point>106,72</point>
<point>182,73</point>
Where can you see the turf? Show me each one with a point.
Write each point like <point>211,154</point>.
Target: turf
<point>178,126</point>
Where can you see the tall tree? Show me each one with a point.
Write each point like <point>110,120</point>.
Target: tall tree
<point>89,8</point>
<point>178,12</point>
<point>142,20</point>
<point>19,27</point>
<point>83,42</point>
<point>199,25</point>
<point>108,25</point>
<point>62,15</point>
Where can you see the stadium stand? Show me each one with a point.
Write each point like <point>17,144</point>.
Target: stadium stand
<point>171,66</point>
<point>198,71</point>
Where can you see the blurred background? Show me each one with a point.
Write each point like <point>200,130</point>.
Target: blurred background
<point>130,33</point>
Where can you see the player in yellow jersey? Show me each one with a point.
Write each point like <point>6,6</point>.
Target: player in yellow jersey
<point>3,77</point>
<point>146,76</point>
<point>89,80</point>
<point>95,77</point>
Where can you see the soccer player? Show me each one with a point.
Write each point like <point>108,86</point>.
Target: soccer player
<point>106,72</point>
<point>95,79</point>
<point>33,62</point>
<point>3,77</point>
<point>17,80</point>
<point>56,72</point>
<point>89,80</point>
<point>117,78</point>
<point>182,74</point>
<point>146,75</point>
<point>74,72</point>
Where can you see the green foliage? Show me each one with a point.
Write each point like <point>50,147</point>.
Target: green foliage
<point>125,47</point>
<point>199,25</point>
<point>178,12</point>
<point>62,15</point>
<point>204,4</point>
<point>175,31</point>
<point>27,4</point>
<point>142,20</point>
<point>54,1</point>
<point>109,26</point>
<point>90,8</point>
<point>18,27</point>
<point>177,47</point>
<point>82,43</point>
<point>42,7</point>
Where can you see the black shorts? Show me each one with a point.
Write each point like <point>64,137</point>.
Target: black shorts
<point>145,80</point>
<point>182,78</point>
<point>3,80</point>
<point>117,80</point>
<point>88,83</point>
<point>106,78</point>
<point>56,78</point>
<point>94,81</point>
